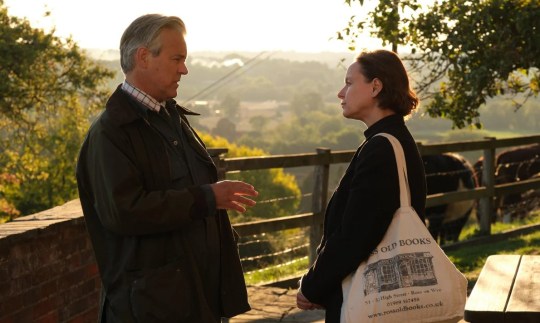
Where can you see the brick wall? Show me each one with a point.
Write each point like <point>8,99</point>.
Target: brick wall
<point>47,268</point>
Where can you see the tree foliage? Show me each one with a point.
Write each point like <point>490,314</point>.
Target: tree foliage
<point>230,106</point>
<point>313,124</point>
<point>49,91</point>
<point>225,128</point>
<point>473,50</point>
<point>307,101</point>
<point>279,194</point>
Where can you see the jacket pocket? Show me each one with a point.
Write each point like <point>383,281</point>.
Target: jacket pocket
<point>162,295</point>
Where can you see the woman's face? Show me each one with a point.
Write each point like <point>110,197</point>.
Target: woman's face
<point>358,95</point>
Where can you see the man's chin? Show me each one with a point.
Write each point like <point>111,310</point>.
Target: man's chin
<point>172,95</point>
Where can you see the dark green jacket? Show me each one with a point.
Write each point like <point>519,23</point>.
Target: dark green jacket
<point>144,212</point>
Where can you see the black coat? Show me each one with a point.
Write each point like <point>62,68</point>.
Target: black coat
<point>149,222</point>
<point>360,211</point>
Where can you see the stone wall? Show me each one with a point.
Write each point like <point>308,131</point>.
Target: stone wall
<point>48,271</point>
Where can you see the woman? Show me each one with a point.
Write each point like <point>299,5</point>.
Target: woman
<point>377,93</point>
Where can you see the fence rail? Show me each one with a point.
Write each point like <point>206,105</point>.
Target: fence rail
<point>323,158</point>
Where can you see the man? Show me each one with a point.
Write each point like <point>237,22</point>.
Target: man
<point>156,216</point>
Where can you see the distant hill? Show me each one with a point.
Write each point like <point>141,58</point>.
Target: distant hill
<point>329,58</point>
<point>250,76</point>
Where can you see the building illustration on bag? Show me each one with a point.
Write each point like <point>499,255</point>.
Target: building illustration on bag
<point>404,270</point>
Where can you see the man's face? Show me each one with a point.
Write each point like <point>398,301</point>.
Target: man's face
<point>165,70</point>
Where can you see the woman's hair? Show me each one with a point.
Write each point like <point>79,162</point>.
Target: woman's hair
<point>386,66</point>
<point>144,32</point>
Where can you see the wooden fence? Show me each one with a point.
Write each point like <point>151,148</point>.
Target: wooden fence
<point>323,158</point>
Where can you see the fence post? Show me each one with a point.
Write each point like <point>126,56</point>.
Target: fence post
<point>488,180</point>
<point>217,156</point>
<point>319,200</point>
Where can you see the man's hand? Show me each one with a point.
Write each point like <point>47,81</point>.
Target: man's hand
<point>230,195</point>
<point>304,304</point>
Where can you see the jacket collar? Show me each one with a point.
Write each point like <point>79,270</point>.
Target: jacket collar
<point>123,109</point>
<point>383,124</point>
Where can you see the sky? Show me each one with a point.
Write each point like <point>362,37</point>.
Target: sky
<point>212,25</point>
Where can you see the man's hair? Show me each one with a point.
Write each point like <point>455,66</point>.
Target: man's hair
<point>396,94</point>
<point>144,32</point>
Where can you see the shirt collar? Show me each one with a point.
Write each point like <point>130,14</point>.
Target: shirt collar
<point>142,97</point>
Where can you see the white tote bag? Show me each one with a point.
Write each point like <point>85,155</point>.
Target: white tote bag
<point>408,278</point>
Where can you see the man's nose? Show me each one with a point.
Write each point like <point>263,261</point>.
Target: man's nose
<point>183,69</point>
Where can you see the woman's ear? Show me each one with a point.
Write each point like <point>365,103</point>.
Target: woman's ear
<point>377,87</point>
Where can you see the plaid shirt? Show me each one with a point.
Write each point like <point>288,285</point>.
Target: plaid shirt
<point>142,97</point>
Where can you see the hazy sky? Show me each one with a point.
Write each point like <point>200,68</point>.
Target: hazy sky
<point>243,25</point>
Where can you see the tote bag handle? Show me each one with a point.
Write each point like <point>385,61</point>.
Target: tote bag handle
<point>404,191</point>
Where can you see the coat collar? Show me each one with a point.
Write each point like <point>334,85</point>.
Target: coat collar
<point>383,124</point>
<point>123,109</point>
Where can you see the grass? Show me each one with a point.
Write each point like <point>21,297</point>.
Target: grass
<point>470,260</point>
<point>270,274</point>
<point>471,228</point>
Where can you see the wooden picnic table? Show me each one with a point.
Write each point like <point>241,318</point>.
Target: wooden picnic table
<point>507,290</point>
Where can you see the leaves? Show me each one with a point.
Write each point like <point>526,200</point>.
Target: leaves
<point>52,91</point>
<point>475,47</point>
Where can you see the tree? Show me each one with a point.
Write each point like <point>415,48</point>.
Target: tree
<point>259,123</point>
<point>385,20</point>
<point>49,93</point>
<point>230,106</point>
<point>465,52</point>
<point>7,209</point>
<point>225,128</point>
<point>304,103</point>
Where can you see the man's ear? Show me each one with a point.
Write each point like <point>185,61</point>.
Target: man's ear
<point>141,57</point>
<point>377,87</point>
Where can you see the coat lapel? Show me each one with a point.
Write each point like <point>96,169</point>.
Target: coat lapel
<point>192,138</point>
